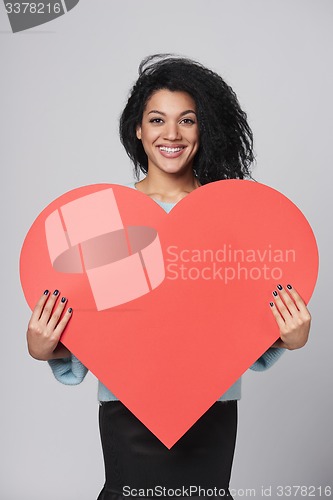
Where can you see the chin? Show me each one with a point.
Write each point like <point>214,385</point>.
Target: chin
<point>175,170</point>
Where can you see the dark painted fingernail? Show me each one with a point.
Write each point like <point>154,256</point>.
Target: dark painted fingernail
<point>63,300</point>
<point>70,310</point>
<point>289,287</point>
<point>271,304</point>
<point>275,293</point>
<point>56,292</point>
<point>279,287</point>
<point>46,292</point>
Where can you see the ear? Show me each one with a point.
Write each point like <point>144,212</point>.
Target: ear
<point>138,132</point>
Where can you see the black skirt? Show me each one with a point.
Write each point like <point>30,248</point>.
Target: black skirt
<point>136,460</point>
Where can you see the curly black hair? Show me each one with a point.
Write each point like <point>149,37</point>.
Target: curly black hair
<point>226,140</point>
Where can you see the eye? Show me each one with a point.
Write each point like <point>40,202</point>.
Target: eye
<point>188,121</point>
<point>156,120</point>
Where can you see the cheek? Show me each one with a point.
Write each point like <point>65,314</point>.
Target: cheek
<point>148,136</point>
<point>148,144</point>
<point>195,134</point>
<point>196,138</point>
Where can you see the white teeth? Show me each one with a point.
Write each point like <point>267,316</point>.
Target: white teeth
<point>170,150</point>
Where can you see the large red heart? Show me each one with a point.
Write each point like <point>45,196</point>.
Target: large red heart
<point>169,354</point>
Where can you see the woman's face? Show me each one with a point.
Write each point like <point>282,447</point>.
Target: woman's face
<point>169,131</point>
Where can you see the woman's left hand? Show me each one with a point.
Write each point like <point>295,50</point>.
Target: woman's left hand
<point>292,317</point>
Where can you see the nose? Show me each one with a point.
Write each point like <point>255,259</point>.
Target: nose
<point>172,131</point>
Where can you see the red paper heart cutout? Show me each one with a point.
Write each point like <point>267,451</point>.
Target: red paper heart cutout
<point>169,354</point>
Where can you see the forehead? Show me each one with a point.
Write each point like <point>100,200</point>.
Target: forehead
<point>170,101</point>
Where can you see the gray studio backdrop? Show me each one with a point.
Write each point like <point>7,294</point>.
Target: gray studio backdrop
<point>63,86</point>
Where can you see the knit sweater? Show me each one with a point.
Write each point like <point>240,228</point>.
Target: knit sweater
<point>71,371</point>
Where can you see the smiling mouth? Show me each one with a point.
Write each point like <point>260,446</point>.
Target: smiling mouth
<point>171,150</point>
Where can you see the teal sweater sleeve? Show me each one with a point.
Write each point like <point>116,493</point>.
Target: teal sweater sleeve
<point>69,371</point>
<point>267,359</point>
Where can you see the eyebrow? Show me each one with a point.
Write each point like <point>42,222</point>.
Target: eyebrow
<point>181,114</point>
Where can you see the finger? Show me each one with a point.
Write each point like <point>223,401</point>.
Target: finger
<point>63,323</point>
<point>56,315</point>
<point>297,299</point>
<point>39,306</point>
<point>288,301</point>
<point>280,321</point>
<point>48,308</point>
<point>284,311</point>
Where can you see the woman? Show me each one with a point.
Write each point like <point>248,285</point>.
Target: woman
<point>182,127</point>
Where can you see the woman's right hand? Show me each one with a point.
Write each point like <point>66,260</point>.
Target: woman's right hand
<point>46,326</point>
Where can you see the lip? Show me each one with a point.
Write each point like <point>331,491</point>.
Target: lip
<point>175,154</point>
<point>171,146</point>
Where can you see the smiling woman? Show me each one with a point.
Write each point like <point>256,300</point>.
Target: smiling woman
<point>169,131</point>
<point>225,150</point>
<point>182,127</point>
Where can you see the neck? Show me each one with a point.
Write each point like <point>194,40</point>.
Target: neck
<point>168,187</point>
